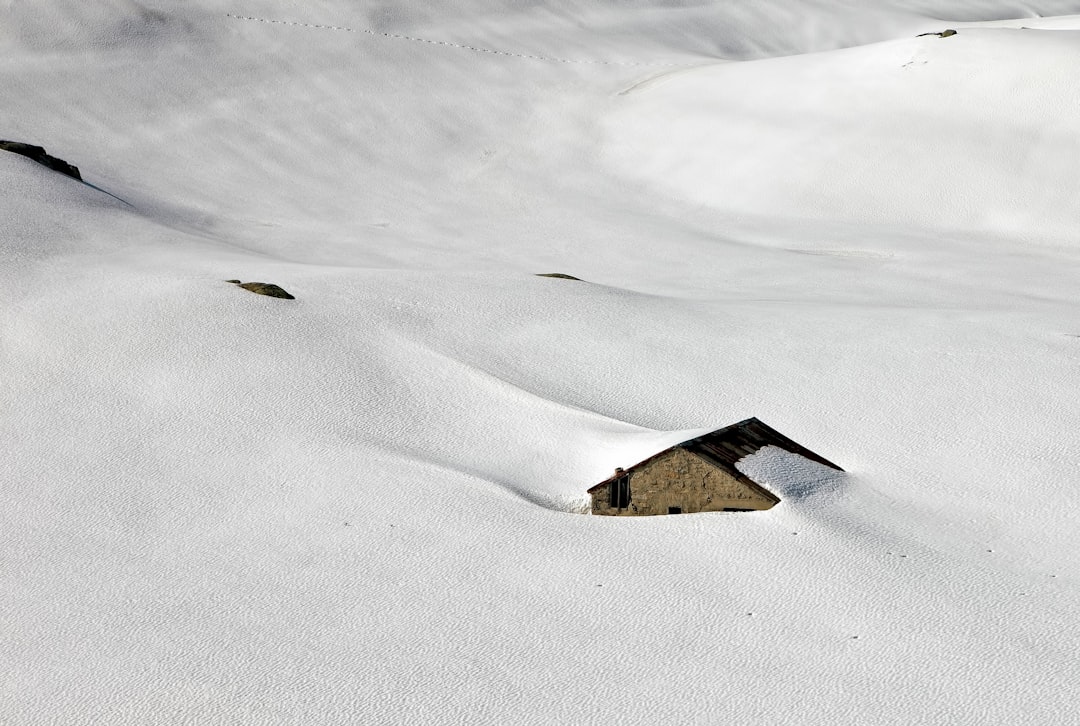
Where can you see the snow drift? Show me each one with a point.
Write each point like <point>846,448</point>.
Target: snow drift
<point>353,506</point>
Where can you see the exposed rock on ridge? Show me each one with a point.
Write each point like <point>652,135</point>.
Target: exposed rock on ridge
<point>37,153</point>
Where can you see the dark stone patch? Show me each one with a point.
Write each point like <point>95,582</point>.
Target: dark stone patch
<point>264,288</point>
<point>37,153</point>
<point>558,275</point>
<point>943,34</point>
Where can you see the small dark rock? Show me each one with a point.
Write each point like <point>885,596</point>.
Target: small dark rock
<point>943,34</point>
<point>235,282</point>
<point>266,288</point>
<point>37,153</point>
<point>559,275</point>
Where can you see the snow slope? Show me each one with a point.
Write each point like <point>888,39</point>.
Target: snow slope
<point>973,133</point>
<point>359,506</point>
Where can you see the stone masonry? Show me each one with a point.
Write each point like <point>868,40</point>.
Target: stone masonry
<point>679,481</point>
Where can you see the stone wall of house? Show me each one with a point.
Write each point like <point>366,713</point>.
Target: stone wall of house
<point>678,478</point>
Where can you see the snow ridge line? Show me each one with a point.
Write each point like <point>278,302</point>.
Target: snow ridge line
<point>473,48</point>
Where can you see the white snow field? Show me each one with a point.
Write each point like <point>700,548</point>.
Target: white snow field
<point>362,506</point>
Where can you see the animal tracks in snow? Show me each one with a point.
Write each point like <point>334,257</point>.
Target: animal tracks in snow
<point>461,46</point>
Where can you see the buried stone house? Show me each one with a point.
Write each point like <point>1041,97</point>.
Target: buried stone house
<point>698,475</point>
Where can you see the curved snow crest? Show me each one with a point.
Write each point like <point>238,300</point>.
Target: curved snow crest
<point>907,132</point>
<point>791,476</point>
<point>565,503</point>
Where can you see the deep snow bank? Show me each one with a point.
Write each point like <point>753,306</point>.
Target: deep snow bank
<point>224,508</point>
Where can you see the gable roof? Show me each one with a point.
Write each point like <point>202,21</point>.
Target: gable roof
<point>724,447</point>
<point>728,445</point>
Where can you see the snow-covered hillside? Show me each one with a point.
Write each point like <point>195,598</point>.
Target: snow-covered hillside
<point>361,505</point>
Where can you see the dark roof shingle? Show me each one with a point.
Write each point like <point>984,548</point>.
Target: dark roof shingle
<point>728,445</point>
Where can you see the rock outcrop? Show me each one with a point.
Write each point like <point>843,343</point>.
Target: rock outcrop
<point>264,288</point>
<point>37,153</point>
<point>559,275</point>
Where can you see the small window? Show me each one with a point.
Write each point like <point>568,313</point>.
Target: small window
<point>619,492</point>
<point>674,510</point>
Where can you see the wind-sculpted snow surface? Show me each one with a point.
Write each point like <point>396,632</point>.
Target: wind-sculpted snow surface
<point>966,133</point>
<point>362,505</point>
